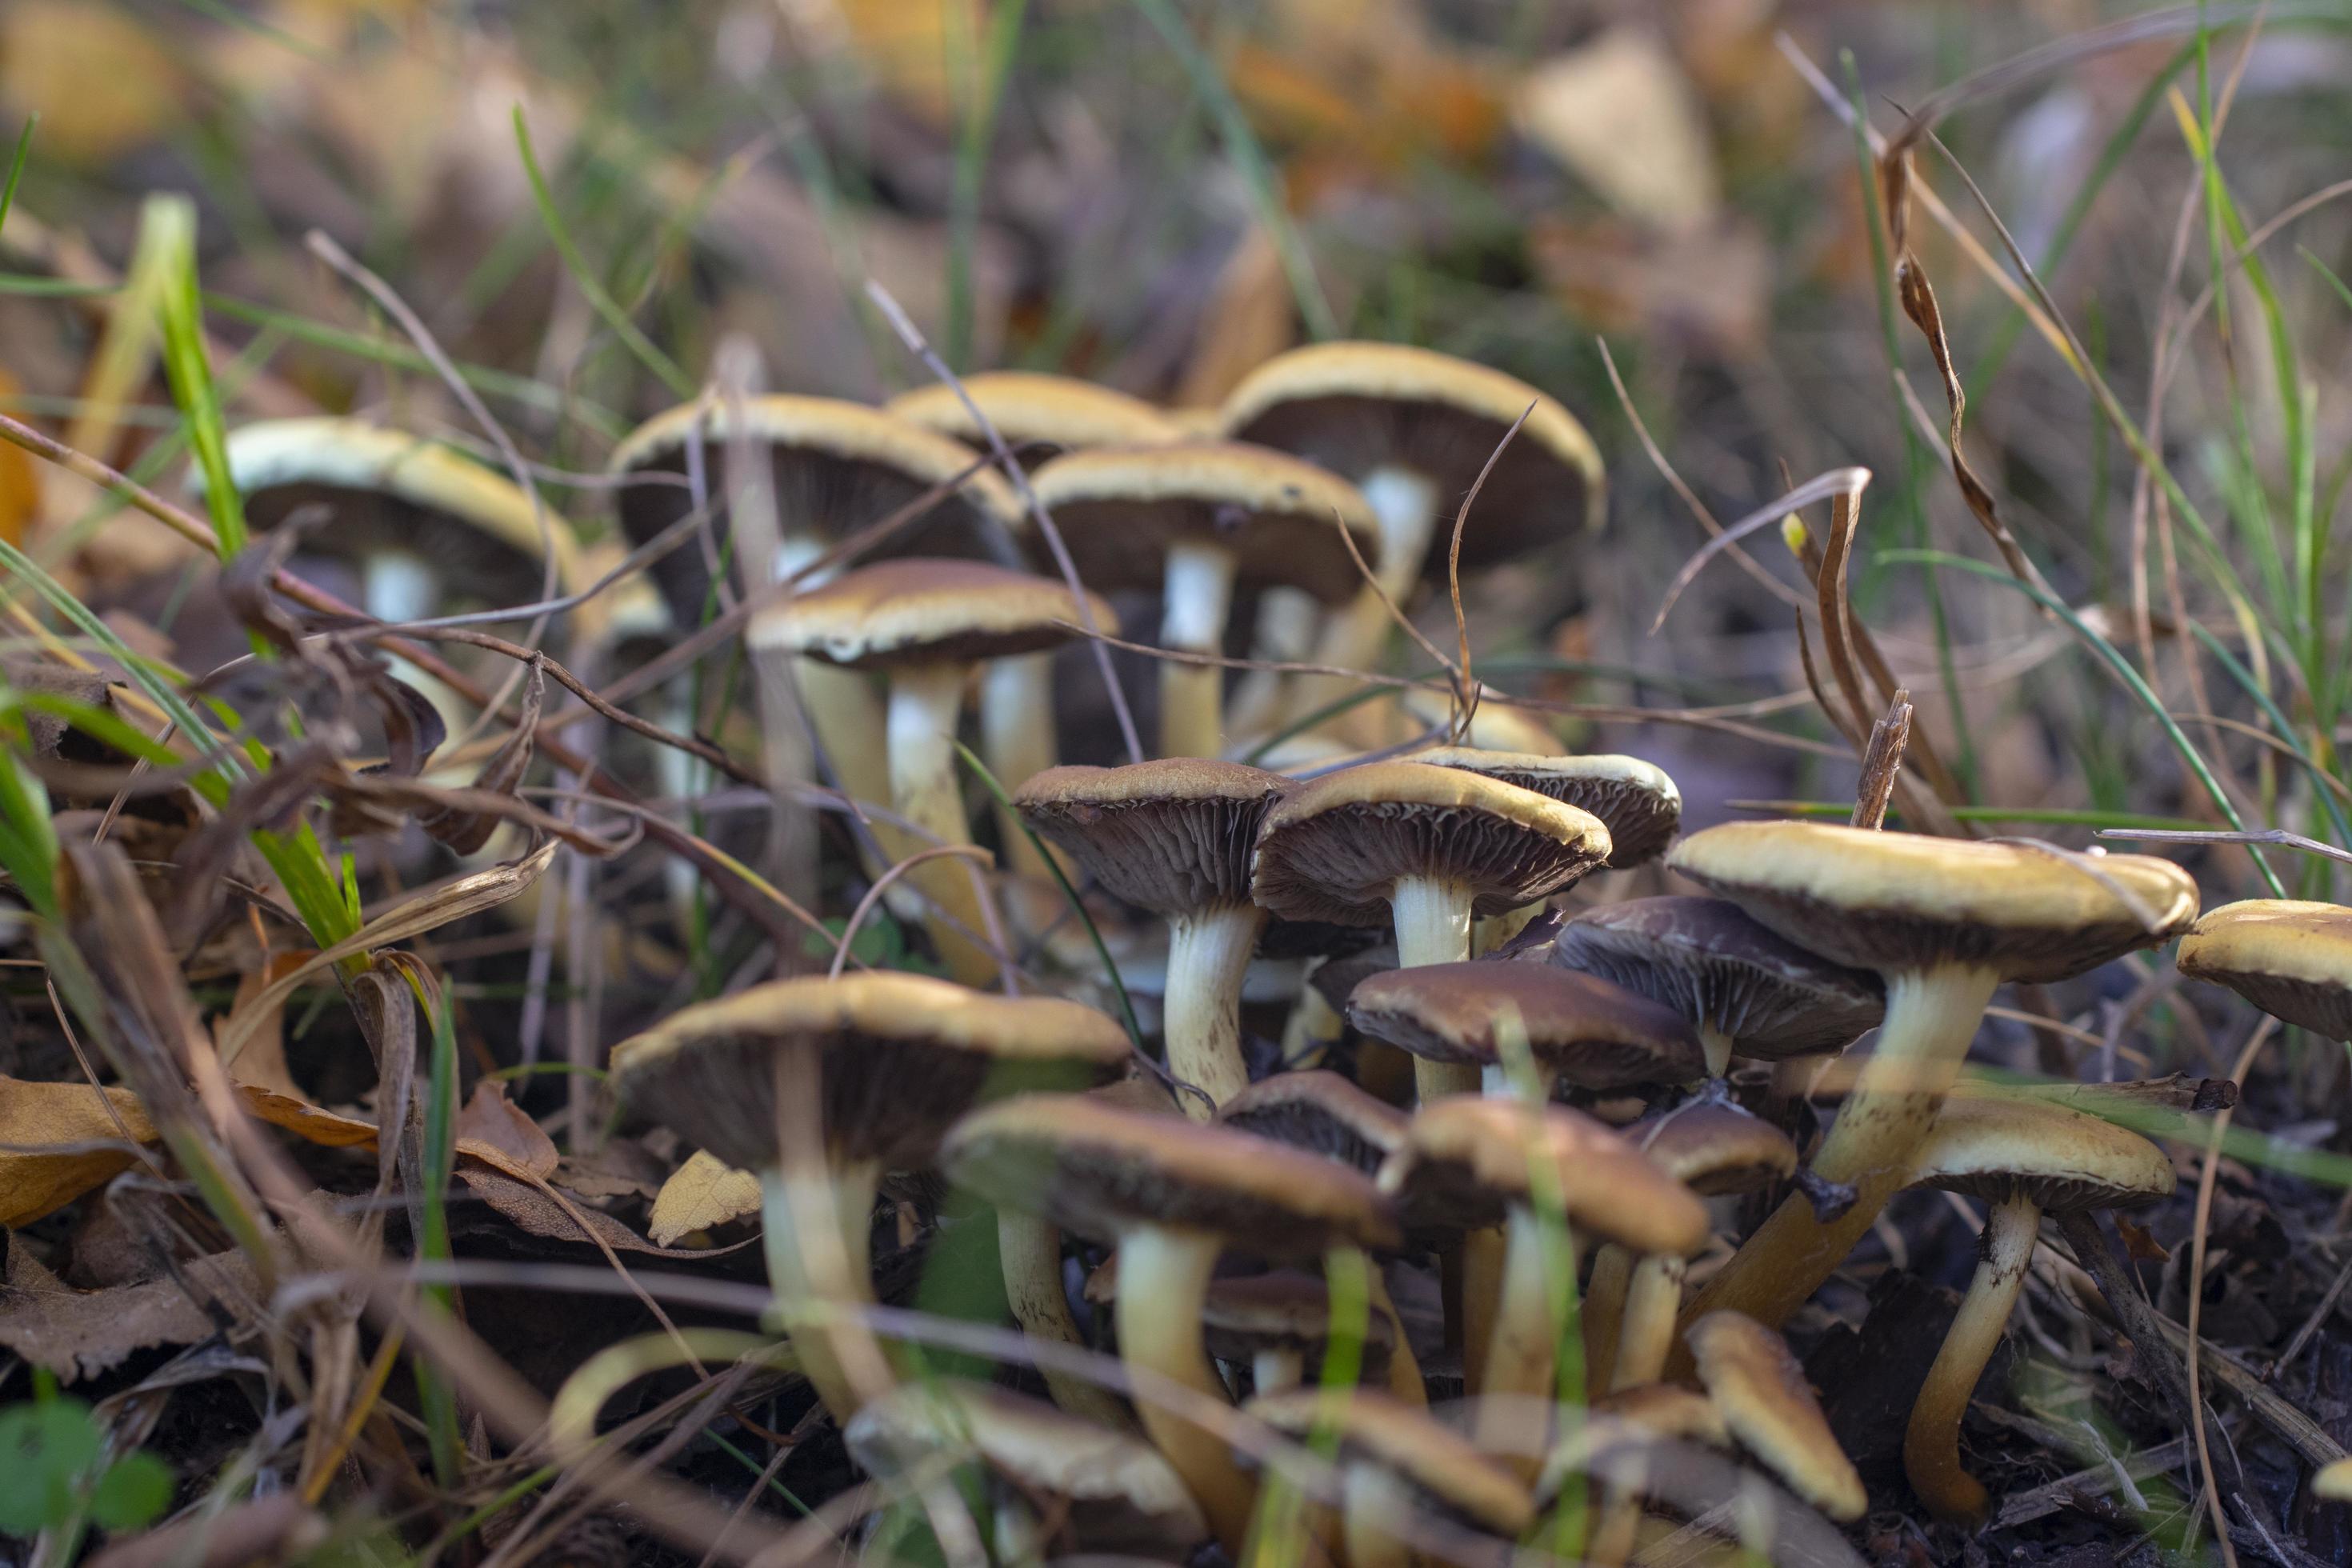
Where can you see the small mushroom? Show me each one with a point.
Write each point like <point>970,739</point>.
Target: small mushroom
<point>1581,1031</point>
<point>1770,1408</point>
<point>2289,958</point>
<point>892,1059</point>
<point>1279,1326</point>
<point>1637,802</point>
<point>1626,1439</point>
<point>2023,1158</point>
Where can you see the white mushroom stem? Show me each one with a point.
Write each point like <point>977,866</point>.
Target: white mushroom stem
<point>815,1231</point>
<point>1201,1014</point>
<point>1016,740</point>
<point>1194,598</point>
<point>1163,1285</point>
<point>1522,1368</point>
<point>1931,1016</point>
<point>1404,508</point>
<point>1029,1253</point>
<point>1931,1445</point>
<point>925,701</point>
<point>1646,1334</point>
<point>1285,634</point>
<point>840,703</point>
<point>1718,1046</point>
<point>1275,1370</point>
<point>1432,926</point>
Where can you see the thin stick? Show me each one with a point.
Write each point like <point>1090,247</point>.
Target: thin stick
<point>1881,761</point>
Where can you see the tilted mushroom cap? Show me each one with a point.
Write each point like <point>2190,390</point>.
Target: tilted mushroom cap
<point>2290,959</point>
<point>1122,1494</point>
<point>1332,849</point>
<point>1447,1476</point>
<point>1635,801</point>
<point>1031,410</point>
<point>1580,1029</point>
<point>1993,1146</point>
<point>1903,901</point>
<point>902,1055</point>
<point>905,612</point>
<point>1120,509</point>
<point>1722,971</point>
<point>1096,1171</point>
<point>1770,1408</point>
<point>1646,1414</point>
<point>1357,406</point>
<point>1321,1112</point>
<point>1713,1147</point>
<point>1170,835</point>
<point>1467,1157</point>
<point>1284,1310</point>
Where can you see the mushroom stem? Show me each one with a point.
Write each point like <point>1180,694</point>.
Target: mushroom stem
<point>1367,1500</point>
<point>1405,1381</point>
<point>815,1232</point>
<point>1208,955</point>
<point>1931,1016</point>
<point>1520,1371</point>
<point>1195,596</point>
<point>925,701</point>
<point>1017,740</point>
<point>1029,1252</point>
<point>1482,1255</point>
<point>1603,1312</point>
<point>1285,633</point>
<point>1405,508</point>
<point>1273,1370</point>
<point>1931,1445</point>
<point>1432,926</point>
<point>1646,1332</point>
<point>1163,1286</point>
<point>840,703</point>
<point>1718,1046</point>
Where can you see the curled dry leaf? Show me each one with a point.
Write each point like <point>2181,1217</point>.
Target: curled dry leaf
<point>704,1193</point>
<point>490,1121</point>
<point>532,1209</point>
<point>57,1141</point>
<point>81,1333</point>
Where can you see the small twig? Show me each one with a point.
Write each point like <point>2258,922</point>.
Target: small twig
<point>2278,835</point>
<point>1465,689</point>
<point>1848,482</point>
<point>1881,761</point>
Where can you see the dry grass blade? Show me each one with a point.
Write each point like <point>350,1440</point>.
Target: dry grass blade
<point>1466,687</point>
<point>1882,762</point>
<point>1820,488</point>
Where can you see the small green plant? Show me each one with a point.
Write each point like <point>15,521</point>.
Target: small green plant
<point>61,1479</point>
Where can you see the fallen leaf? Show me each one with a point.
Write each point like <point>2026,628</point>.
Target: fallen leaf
<point>20,482</point>
<point>1622,117</point>
<point>81,1333</point>
<point>2139,1245</point>
<point>57,1141</point>
<point>100,81</point>
<point>529,1208</point>
<point>262,1063</point>
<point>704,1193</point>
<point>491,1121</point>
<point>311,1123</point>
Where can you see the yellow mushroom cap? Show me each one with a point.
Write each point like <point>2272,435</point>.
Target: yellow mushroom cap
<point>1636,801</point>
<point>1992,1145</point>
<point>914,612</point>
<point>1770,1408</point>
<point>1029,410</point>
<point>2289,958</point>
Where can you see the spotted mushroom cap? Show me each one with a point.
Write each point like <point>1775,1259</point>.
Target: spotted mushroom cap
<point>925,611</point>
<point>1770,1408</point>
<point>1172,836</point>
<point>1994,1146</point>
<point>1444,1473</point>
<point>2289,958</point>
<point>1030,410</point>
<point>1580,1030</point>
<point>1634,800</point>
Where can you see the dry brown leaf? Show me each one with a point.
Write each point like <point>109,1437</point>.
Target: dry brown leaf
<point>81,1333</point>
<point>531,1209</point>
<point>101,82</point>
<point>1620,114</point>
<point>1246,322</point>
<point>57,1141</point>
<point>262,1063</point>
<point>704,1193</point>
<point>490,1121</point>
<point>311,1123</point>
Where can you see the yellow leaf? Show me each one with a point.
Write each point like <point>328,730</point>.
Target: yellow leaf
<point>57,1141</point>
<point>20,482</point>
<point>103,84</point>
<point>1623,118</point>
<point>701,1193</point>
<point>311,1123</point>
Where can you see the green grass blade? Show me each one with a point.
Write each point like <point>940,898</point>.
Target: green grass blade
<point>17,166</point>
<point>2286,733</point>
<point>169,225</point>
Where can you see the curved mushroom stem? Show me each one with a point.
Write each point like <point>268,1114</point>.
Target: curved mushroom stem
<point>1029,1252</point>
<point>1646,1333</point>
<point>1520,1371</point>
<point>1931,1016</point>
<point>1208,955</point>
<point>815,1234</point>
<point>1163,1284</point>
<point>1016,740</point>
<point>1432,926</point>
<point>1603,1312</point>
<point>1195,596</point>
<point>1273,1370</point>
<point>1718,1046</point>
<point>1405,1381</point>
<point>1931,1444</point>
<point>1404,507</point>
<point>1285,633</point>
<point>925,701</point>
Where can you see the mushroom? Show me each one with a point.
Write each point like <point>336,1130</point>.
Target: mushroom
<point>1770,1408</point>
<point>1414,429</point>
<point>1199,519</point>
<point>1747,991</point>
<point>883,1062</point>
<point>925,624</point>
<point>1171,1194</point>
<point>1637,802</point>
<point>2023,1158</point>
<point>1650,1420</point>
<point>1279,1326</point>
<point>2289,958</point>
<point>1582,1031</point>
<point>1943,922</point>
<point>1426,847</point>
<point>1478,1161</point>
<point>1404,1477</point>
<point>1174,836</point>
<point>1111,1493</point>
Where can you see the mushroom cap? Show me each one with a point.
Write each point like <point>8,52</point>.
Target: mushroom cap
<point>1635,801</point>
<point>2289,958</point>
<point>409,487</point>
<point>1496,725</point>
<point>1121,509</point>
<point>925,611</point>
<point>1172,836</point>
<point>1580,1029</point>
<point>1888,902</point>
<point>1714,1147</point>
<point>1468,1157</point>
<point>1770,1408</point>
<point>1993,1146</point>
<point>1319,1111</point>
<point>1722,971</point>
<point>1031,409</point>
<point>1122,1491</point>
<point>901,1056</point>
<point>1333,848</point>
<point>1354,407</point>
<point>1446,1474</point>
<point>1644,1416</point>
<point>1288,1310</point>
<point>1099,1171</point>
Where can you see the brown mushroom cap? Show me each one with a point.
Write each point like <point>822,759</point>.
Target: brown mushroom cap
<point>1904,900</point>
<point>1468,1157</point>
<point>1354,407</point>
<point>1635,801</point>
<point>1646,1414</point>
<point>1333,848</point>
<point>1722,971</point>
<point>1581,1030</point>
<point>1099,1171</point>
<point>901,1056</point>
<point>1321,1112</point>
<point>1446,1475</point>
<point>2289,958</point>
<point>1713,1148</point>
<point>1171,836</point>
<point>1770,1408</point>
<point>1995,1146</point>
<point>911,612</point>
<point>1284,1310</point>
<point>1122,508</point>
<point>1032,410</point>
